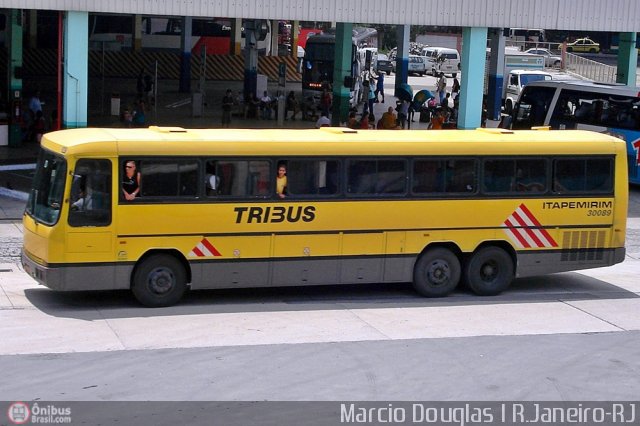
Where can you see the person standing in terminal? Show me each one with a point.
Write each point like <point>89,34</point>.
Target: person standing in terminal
<point>227,103</point>
<point>441,87</point>
<point>380,87</point>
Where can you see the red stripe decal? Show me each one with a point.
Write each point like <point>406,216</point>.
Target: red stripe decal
<point>210,247</point>
<point>516,233</point>
<point>535,221</point>
<point>197,252</point>
<point>528,230</point>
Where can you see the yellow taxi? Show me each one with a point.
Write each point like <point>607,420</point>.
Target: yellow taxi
<point>583,45</point>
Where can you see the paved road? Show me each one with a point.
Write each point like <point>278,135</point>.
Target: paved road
<point>570,336</point>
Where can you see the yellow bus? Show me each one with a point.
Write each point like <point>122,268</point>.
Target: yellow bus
<point>162,210</point>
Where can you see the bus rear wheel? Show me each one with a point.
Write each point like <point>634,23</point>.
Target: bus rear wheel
<point>489,271</point>
<point>159,281</point>
<point>437,273</point>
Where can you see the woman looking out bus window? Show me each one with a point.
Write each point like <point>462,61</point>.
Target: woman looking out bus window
<point>131,181</point>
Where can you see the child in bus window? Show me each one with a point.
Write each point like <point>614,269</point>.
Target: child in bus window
<point>281,181</point>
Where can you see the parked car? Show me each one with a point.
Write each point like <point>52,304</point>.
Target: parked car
<point>384,64</point>
<point>584,45</point>
<point>550,59</point>
<point>417,65</point>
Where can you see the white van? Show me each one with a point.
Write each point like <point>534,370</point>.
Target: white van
<point>445,60</point>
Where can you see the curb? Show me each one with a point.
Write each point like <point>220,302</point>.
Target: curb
<point>11,193</point>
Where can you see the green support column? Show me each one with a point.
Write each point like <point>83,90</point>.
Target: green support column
<point>76,69</point>
<point>15,79</point>
<point>342,69</point>
<point>627,59</point>
<point>474,42</point>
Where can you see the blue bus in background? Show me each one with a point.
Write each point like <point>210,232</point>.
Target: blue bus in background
<point>586,105</point>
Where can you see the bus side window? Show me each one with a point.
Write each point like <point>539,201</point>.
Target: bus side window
<point>425,176</point>
<point>531,176</point>
<point>499,175</point>
<point>236,178</point>
<point>569,176</point>
<point>462,175</point>
<point>312,177</point>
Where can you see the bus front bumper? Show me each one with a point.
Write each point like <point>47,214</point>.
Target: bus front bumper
<point>49,277</point>
<point>79,277</point>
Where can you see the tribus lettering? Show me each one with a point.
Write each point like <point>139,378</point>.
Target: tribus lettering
<point>275,214</point>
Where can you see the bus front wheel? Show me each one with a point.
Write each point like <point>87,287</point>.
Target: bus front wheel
<point>437,273</point>
<point>159,281</point>
<point>489,271</point>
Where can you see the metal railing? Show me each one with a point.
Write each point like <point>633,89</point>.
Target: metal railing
<point>588,69</point>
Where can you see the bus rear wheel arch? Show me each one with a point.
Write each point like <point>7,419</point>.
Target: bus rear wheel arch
<point>159,280</point>
<point>489,270</point>
<point>437,272</point>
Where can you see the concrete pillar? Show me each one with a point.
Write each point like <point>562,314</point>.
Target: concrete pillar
<point>14,38</point>
<point>473,58</point>
<point>274,38</point>
<point>137,33</point>
<point>250,59</point>
<point>185,55</point>
<point>627,59</point>
<point>402,55</point>
<point>295,29</point>
<point>342,69</point>
<point>236,36</point>
<point>495,72</point>
<point>76,69</point>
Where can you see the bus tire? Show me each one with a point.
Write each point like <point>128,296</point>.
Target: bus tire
<point>489,271</point>
<point>436,273</point>
<point>159,280</point>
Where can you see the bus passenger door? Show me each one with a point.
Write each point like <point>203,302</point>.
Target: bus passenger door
<point>90,230</point>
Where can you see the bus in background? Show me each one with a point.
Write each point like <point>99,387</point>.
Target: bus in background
<point>319,60</point>
<point>114,32</point>
<point>574,104</point>
<point>134,208</point>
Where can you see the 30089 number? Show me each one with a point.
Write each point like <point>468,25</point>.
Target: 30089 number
<point>599,212</point>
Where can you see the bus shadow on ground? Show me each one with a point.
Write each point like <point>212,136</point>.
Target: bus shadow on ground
<point>568,286</point>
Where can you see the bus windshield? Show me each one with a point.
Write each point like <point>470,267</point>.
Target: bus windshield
<point>47,191</point>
